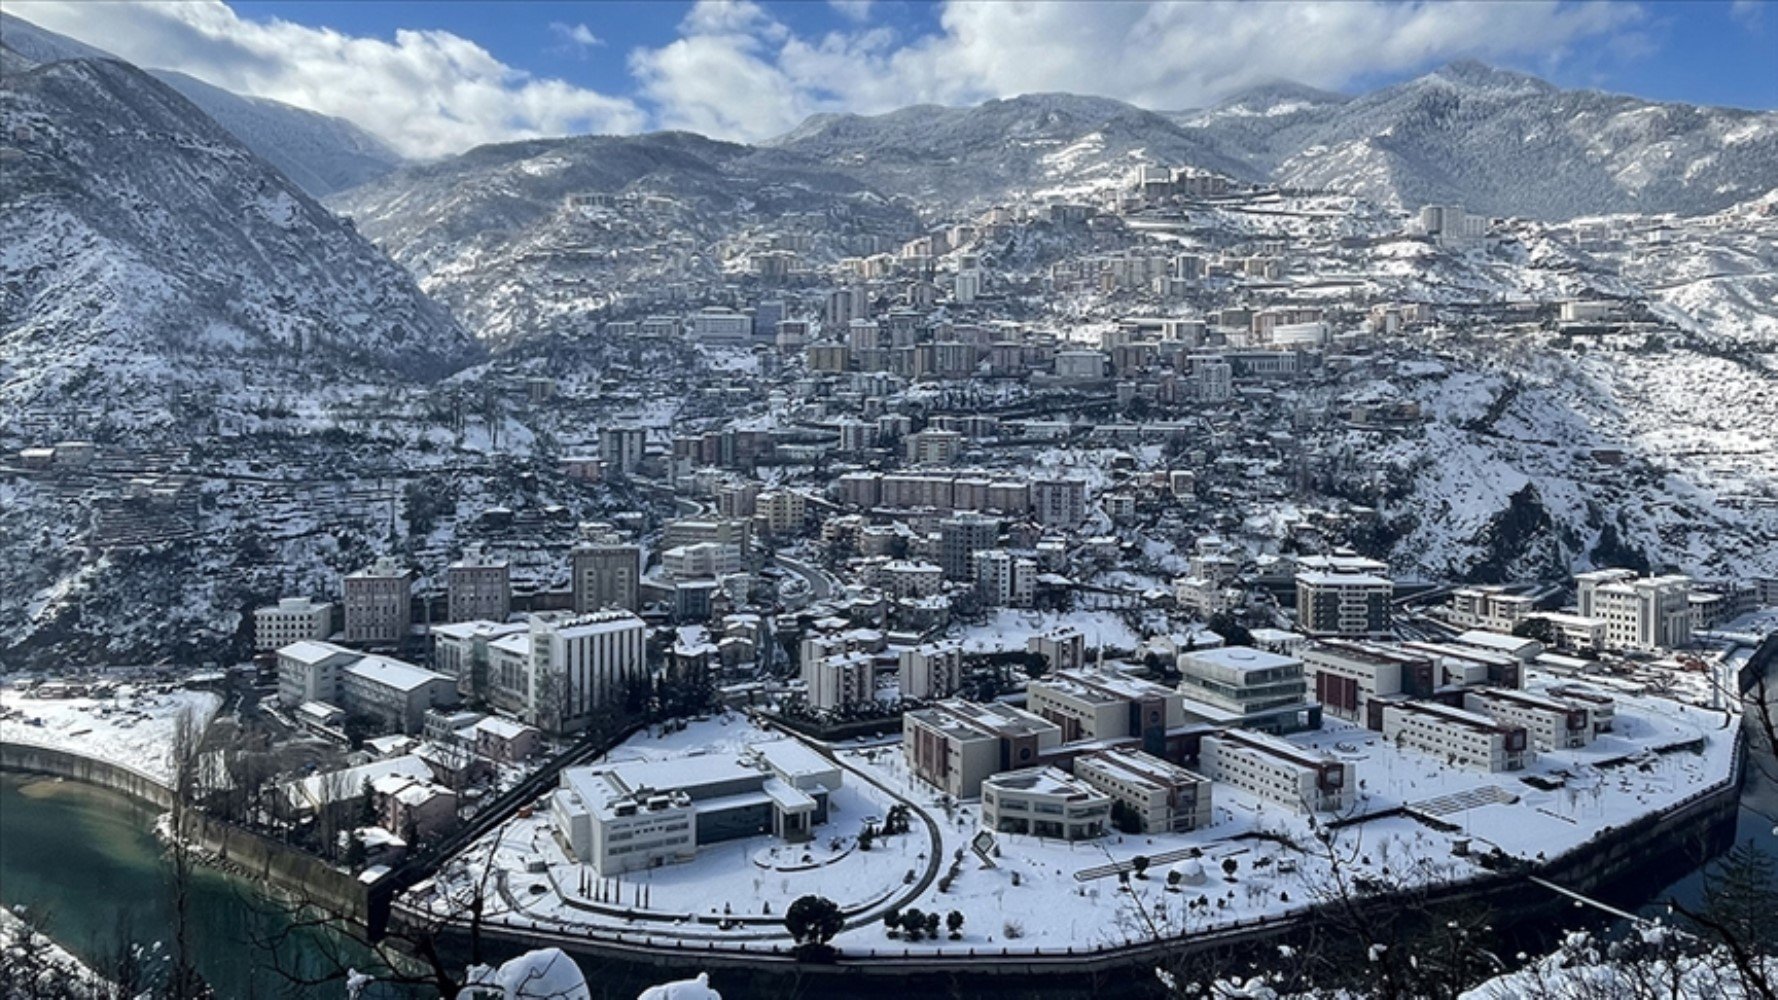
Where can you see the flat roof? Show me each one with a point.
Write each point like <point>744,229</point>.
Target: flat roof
<point>1240,658</point>
<point>472,629</point>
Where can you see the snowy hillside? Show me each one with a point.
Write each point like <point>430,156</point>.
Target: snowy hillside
<point>1001,149</point>
<point>143,244</point>
<point>545,237</point>
<point>322,154</point>
<point>1502,143</point>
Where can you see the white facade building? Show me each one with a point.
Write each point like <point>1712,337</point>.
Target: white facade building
<point>1277,771</point>
<point>1044,802</point>
<point>292,619</point>
<point>1651,613</point>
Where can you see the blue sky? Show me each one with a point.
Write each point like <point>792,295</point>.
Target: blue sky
<point>434,78</point>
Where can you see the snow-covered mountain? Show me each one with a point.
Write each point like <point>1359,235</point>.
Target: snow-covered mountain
<point>322,154</point>
<point>997,150</point>
<point>148,256</point>
<point>543,237</point>
<point>1500,143</point>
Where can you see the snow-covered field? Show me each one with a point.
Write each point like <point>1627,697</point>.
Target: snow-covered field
<point>1007,630</point>
<point>134,728</point>
<point>1257,860</point>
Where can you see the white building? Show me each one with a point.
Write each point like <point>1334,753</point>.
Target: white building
<point>1651,613</point>
<point>701,560</point>
<point>1461,738</point>
<point>1346,676</point>
<point>625,817</point>
<point>1044,802</point>
<point>1104,705</point>
<point>1554,723</point>
<point>1490,608</point>
<point>1063,648</point>
<point>840,679</point>
<point>309,671</point>
<point>1004,580</point>
<point>1240,685</point>
<point>721,326</point>
<point>1277,771</point>
<point>1162,797</point>
<point>396,693</point>
<point>292,619</point>
<point>460,650</point>
<point>931,670</point>
<point>557,674</point>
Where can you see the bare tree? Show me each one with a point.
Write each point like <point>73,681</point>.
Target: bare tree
<point>183,980</point>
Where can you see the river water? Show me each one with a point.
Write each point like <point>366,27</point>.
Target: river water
<point>87,867</point>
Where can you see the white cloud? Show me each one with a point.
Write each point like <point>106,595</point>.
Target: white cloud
<point>855,10</point>
<point>735,71</point>
<point>740,73</point>
<point>575,34</point>
<point>428,93</point>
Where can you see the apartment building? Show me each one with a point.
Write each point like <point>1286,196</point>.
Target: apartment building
<point>1100,705</point>
<point>1461,738</point>
<point>631,816</point>
<point>378,604</point>
<point>1005,580</point>
<point>1354,604</point>
<point>840,679</point>
<point>954,745</point>
<point>1062,648</point>
<point>292,619</point>
<point>1651,613</point>
<point>960,538</point>
<point>478,589</point>
<point>1059,503</point>
<point>1346,675</point>
<point>1160,797</point>
<point>931,670</point>
<point>1490,607</point>
<point>1044,802</point>
<point>1272,769</point>
<point>903,578</point>
<point>932,447</point>
<point>1243,686</point>
<point>781,512</point>
<point>606,575</point>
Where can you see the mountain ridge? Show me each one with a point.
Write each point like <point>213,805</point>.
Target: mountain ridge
<point>321,153</point>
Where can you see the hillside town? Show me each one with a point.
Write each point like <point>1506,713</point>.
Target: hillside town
<point>1066,557</point>
<point>920,550</point>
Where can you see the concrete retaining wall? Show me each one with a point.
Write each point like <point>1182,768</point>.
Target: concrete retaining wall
<point>254,857</point>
